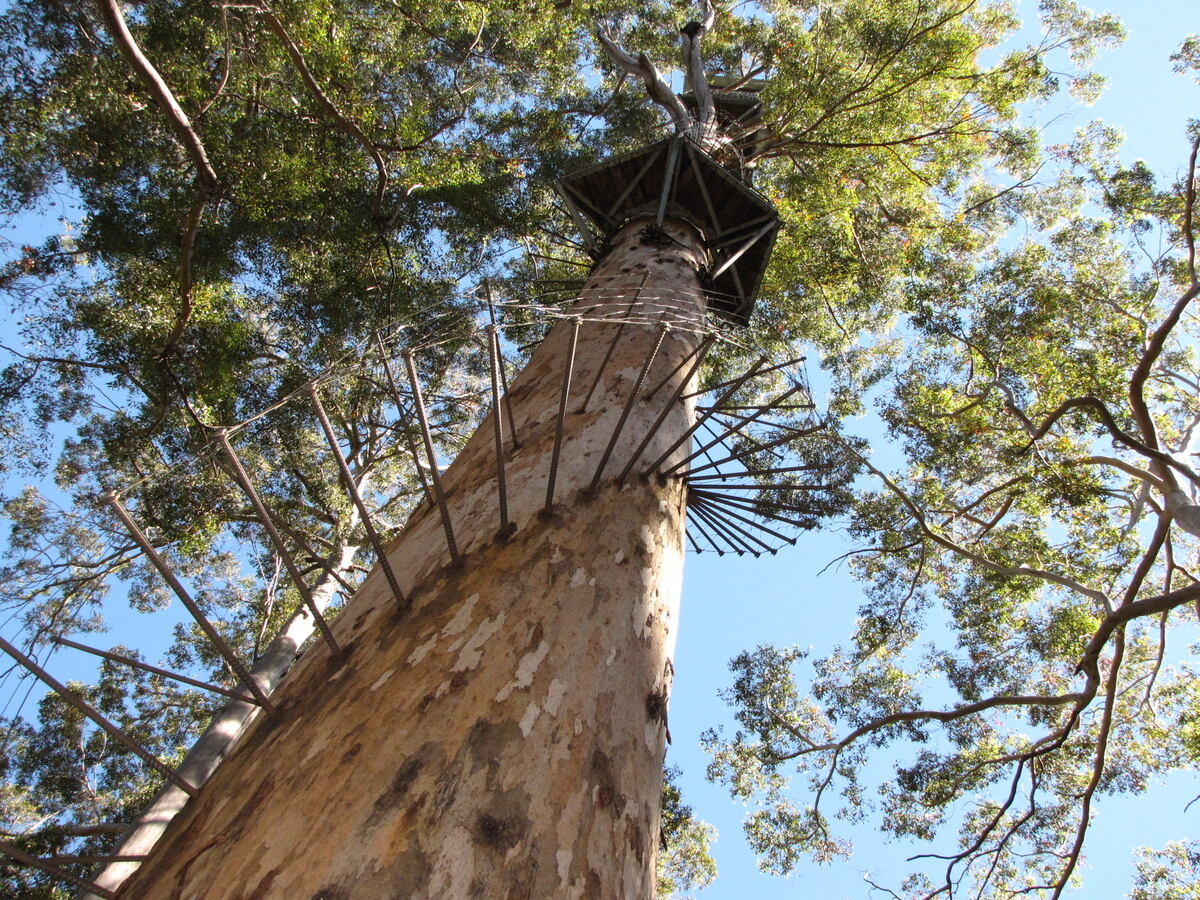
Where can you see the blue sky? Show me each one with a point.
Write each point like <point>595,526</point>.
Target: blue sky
<point>732,604</point>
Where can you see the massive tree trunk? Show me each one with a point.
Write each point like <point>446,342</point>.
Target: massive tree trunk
<point>504,735</point>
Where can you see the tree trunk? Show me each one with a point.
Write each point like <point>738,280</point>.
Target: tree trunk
<point>224,729</point>
<point>504,737</point>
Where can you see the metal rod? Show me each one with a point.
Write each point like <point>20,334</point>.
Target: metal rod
<point>729,261</point>
<point>742,454</point>
<point>750,506</point>
<point>739,380</point>
<point>777,487</point>
<point>727,234</point>
<point>577,217</point>
<point>633,395</point>
<point>692,541</point>
<point>636,180</point>
<point>710,430</point>
<point>693,521</point>
<point>796,432</point>
<point>206,626</point>
<point>780,471</point>
<point>756,406</point>
<point>726,529</point>
<point>720,516</point>
<point>50,869</point>
<point>355,496</point>
<point>578,195</point>
<point>745,421</point>
<point>264,518</point>
<point>712,212</point>
<point>771,504</point>
<point>668,180</point>
<point>501,486</point>
<point>700,420</point>
<point>732,539</point>
<point>137,664</point>
<point>508,413</point>
<point>613,344</point>
<point>698,355</point>
<point>702,346</point>
<point>756,446</point>
<point>400,408</point>
<point>434,475</point>
<point>752,522</point>
<point>96,716</point>
<point>562,412</point>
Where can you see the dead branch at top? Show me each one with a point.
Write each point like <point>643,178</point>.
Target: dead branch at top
<point>642,67</point>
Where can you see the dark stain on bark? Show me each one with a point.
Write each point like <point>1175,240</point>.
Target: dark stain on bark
<point>488,740</point>
<point>242,818</point>
<point>535,637</point>
<point>636,839</point>
<point>264,884</point>
<point>351,753</point>
<point>499,834</point>
<point>402,782</point>
<point>656,705</point>
<point>330,893</point>
<point>607,793</point>
<point>407,876</point>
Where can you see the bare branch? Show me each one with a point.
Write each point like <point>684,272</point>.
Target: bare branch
<point>1106,418</point>
<point>642,67</point>
<point>110,11</point>
<point>345,123</point>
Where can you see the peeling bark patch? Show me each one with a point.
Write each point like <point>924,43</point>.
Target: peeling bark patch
<point>458,624</point>
<point>531,713</point>
<point>383,679</point>
<point>554,696</point>
<point>579,578</point>
<point>472,651</point>
<point>526,669</point>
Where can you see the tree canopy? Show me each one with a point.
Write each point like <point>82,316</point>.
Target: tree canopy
<point>259,194</point>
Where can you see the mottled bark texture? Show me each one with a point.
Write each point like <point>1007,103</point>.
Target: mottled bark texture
<point>504,737</point>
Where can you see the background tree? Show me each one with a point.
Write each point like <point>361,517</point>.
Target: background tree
<point>1028,567</point>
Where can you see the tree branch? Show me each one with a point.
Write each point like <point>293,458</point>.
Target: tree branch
<point>347,125</point>
<point>110,12</point>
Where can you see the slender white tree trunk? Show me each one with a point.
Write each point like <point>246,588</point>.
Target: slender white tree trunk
<point>223,731</point>
<point>504,737</point>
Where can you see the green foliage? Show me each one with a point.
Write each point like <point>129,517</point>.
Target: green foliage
<point>685,861</point>
<point>1172,873</point>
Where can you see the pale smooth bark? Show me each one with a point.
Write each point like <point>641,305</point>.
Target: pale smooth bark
<point>505,736</point>
<point>221,734</point>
